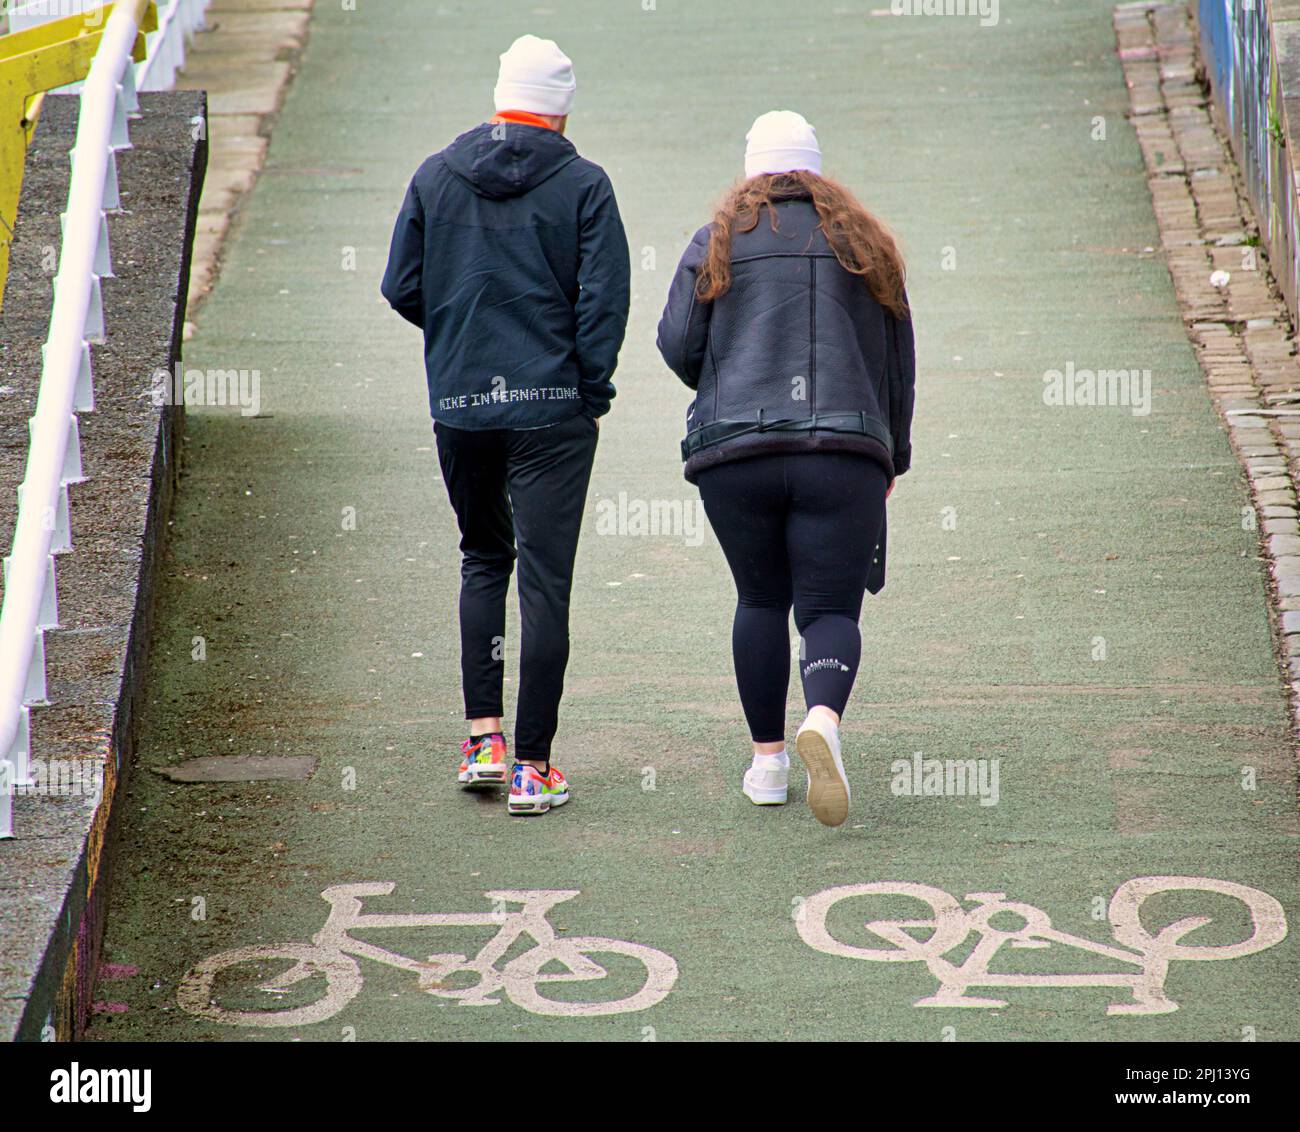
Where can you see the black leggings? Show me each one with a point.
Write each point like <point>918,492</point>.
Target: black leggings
<point>797,530</point>
<point>524,488</point>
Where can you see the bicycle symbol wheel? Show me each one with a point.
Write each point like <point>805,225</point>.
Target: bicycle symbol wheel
<point>342,984</point>
<point>1268,921</point>
<point>524,975</point>
<point>946,921</point>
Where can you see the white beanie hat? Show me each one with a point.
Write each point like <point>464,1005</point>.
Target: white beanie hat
<point>537,76</point>
<point>781,141</point>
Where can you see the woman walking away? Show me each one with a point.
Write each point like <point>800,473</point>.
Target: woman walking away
<point>788,316</point>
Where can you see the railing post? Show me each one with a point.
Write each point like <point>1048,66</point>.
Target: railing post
<point>94,329</point>
<point>130,100</point>
<point>48,617</point>
<point>61,539</point>
<point>34,691</point>
<point>20,751</point>
<point>72,456</point>
<point>112,195</point>
<point>6,799</point>
<point>83,398</point>
<point>120,135</point>
<point>42,528</point>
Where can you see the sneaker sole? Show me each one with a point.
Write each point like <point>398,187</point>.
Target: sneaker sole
<point>828,790</point>
<point>486,776</point>
<point>525,805</point>
<point>765,797</point>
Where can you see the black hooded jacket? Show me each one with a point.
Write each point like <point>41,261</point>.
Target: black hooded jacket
<point>796,357</point>
<point>510,255</point>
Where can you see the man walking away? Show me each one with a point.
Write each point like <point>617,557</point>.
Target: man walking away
<point>510,255</point>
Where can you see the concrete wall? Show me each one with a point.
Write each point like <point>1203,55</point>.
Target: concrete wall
<point>1251,50</point>
<point>53,876</point>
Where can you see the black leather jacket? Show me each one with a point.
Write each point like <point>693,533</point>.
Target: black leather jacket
<point>796,356</point>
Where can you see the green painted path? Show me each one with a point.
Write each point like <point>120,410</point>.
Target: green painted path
<point>1095,621</point>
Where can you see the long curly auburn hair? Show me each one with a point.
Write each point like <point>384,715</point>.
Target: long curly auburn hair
<point>861,243</point>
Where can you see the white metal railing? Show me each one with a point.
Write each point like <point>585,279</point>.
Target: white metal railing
<point>41,531</point>
<point>178,20</point>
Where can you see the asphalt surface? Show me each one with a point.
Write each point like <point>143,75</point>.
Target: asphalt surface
<point>1071,590</point>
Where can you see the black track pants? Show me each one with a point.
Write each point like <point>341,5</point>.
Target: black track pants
<point>524,487</point>
<point>797,530</point>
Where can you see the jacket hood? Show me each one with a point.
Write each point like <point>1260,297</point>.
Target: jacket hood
<point>507,159</point>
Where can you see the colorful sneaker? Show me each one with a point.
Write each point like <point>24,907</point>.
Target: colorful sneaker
<point>767,779</point>
<point>532,792</point>
<point>484,763</point>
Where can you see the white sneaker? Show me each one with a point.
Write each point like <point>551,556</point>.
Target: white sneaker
<point>767,780</point>
<point>818,744</point>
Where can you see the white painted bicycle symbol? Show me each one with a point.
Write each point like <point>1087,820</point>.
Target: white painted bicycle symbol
<point>950,925</point>
<point>333,953</point>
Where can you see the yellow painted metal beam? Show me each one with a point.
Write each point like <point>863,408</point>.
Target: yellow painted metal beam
<point>36,60</point>
<point>52,32</point>
<point>32,115</point>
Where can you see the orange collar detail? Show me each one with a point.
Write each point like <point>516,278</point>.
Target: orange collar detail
<point>523,118</point>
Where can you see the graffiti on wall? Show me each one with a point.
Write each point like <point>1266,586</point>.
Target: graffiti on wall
<point>1237,44</point>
